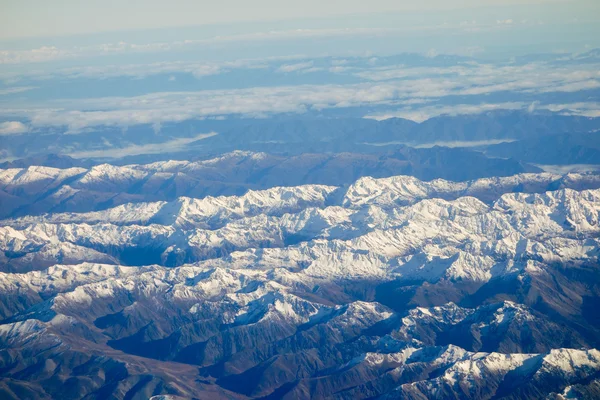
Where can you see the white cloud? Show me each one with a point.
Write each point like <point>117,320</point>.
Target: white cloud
<point>432,53</point>
<point>295,67</point>
<point>337,69</point>
<point>570,87</point>
<point>15,90</point>
<point>532,107</point>
<point>421,114</point>
<point>463,144</point>
<point>206,70</point>
<point>152,148</point>
<point>12,128</point>
<point>479,79</point>
<point>339,62</point>
<point>407,88</point>
<point>261,101</point>
<point>198,69</point>
<point>586,109</point>
<point>179,106</point>
<point>570,168</point>
<point>393,72</point>
<point>40,54</point>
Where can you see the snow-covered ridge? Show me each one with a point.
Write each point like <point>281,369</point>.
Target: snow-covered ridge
<point>35,190</point>
<point>294,229</point>
<point>209,212</point>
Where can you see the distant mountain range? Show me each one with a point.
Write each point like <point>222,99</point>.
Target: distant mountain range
<point>560,149</point>
<point>295,135</point>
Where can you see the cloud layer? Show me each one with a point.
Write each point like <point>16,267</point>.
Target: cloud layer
<point>416,92</point>
<point>12,128</point>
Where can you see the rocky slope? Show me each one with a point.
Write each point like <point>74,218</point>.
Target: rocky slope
<point>389,288</point>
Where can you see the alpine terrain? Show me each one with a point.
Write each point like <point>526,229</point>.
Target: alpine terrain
<point>300,200</point>
<point>390,288</point>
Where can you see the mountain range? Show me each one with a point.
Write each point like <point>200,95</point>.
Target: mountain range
<point>383,288</point>
<point>291,135</point>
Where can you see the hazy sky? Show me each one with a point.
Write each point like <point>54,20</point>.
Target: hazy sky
<point>84,65</point>
<point>35,18</point>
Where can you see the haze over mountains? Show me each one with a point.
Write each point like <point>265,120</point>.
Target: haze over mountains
<point>330,134</point>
